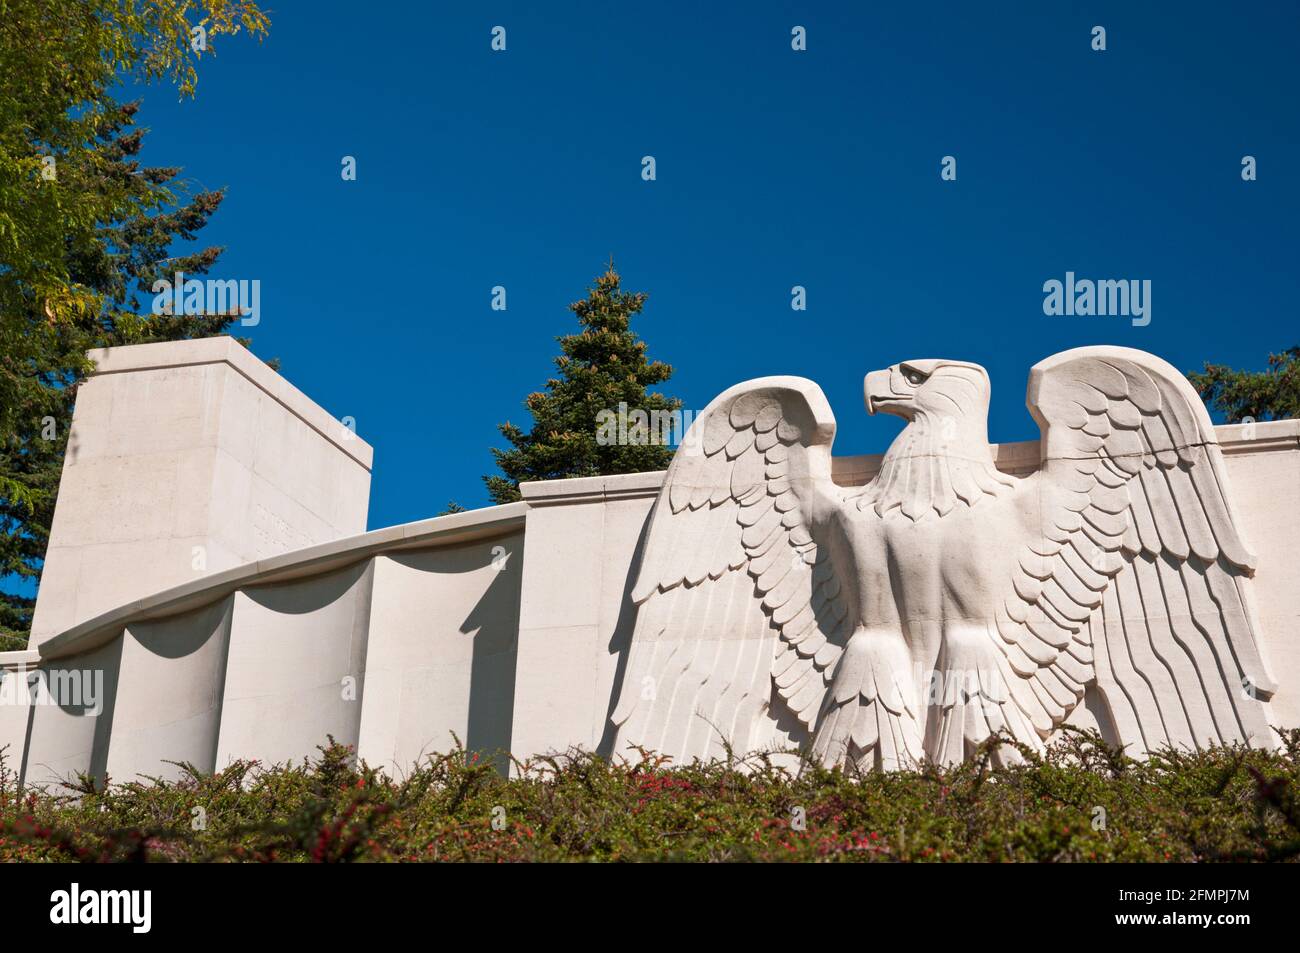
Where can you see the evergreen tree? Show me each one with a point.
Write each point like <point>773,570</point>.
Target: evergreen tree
<point>120,268</point>
<point>1272,394</point>
<point>59,62</point>
<point>602,372</point>
<point>80,245</point>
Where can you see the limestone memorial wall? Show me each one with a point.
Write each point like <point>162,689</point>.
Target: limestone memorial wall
<point>212,590</point>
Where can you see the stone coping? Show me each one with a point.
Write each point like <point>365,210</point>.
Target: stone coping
<point>499,520</point>
<point>469,526</point>
<point>1254,438</point>
<point>1025,455</point>
<point>1018,457</point>
<point>597,489</point>
<point>226,350</point>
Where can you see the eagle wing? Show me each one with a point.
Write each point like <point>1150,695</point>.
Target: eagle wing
<point>1142,580</point>
<point>737,597</point>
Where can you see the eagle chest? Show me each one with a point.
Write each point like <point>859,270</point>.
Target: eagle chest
<point>950,566</point>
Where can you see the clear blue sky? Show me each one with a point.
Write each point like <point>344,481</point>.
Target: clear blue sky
<point>775,168</point>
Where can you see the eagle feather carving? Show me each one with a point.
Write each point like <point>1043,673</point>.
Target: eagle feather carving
<point>914,617</point>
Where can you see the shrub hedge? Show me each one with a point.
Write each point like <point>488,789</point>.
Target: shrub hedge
<point>1082,801</point>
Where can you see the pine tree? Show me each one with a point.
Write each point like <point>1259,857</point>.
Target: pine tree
<point>1260,395</point>
<point>602,371</point>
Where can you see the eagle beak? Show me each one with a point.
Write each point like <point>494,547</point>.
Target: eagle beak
<point>879,396</point>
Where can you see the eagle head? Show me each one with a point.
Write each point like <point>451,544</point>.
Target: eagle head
<point>942,457</point>
<point>928,388</point>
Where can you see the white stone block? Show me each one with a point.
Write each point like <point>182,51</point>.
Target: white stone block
<point>441,654</point>
<point>296,667</point>
<point>70,727</point>
<point>582,536</point>
<point>187,458</point>
<point>169,693</point>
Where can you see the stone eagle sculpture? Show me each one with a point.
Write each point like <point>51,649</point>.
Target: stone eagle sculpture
<point>912,618</point>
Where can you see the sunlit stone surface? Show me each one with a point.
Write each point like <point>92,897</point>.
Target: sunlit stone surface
<point>1132,572</point>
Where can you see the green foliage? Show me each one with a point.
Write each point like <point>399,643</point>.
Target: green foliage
<point>1227,804</point>
<point>602,366</point>
<point>1272,394</point>
<point>84,229</point>
<point>58,186</point>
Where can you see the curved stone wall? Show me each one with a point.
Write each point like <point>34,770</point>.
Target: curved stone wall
<point>392,641</point>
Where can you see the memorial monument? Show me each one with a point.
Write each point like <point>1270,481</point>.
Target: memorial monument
<point>945,601</point>
<point>211,593</point>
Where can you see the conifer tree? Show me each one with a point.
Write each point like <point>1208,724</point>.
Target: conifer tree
<point>120,268</point>
<point>602,372</point>
<point>85,229</point>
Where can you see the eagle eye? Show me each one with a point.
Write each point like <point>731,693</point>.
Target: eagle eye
<point>915,378</point>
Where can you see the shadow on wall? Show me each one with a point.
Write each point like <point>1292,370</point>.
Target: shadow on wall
<point>104,721</point>
<point>81,719</point>
<point>492,667</point>
<point>621,639</point>
<point>445,645</point>
<point>310,594</point>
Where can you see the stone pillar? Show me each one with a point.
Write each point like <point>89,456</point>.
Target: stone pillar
<point>582,537</point>
<point>187,458</point>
